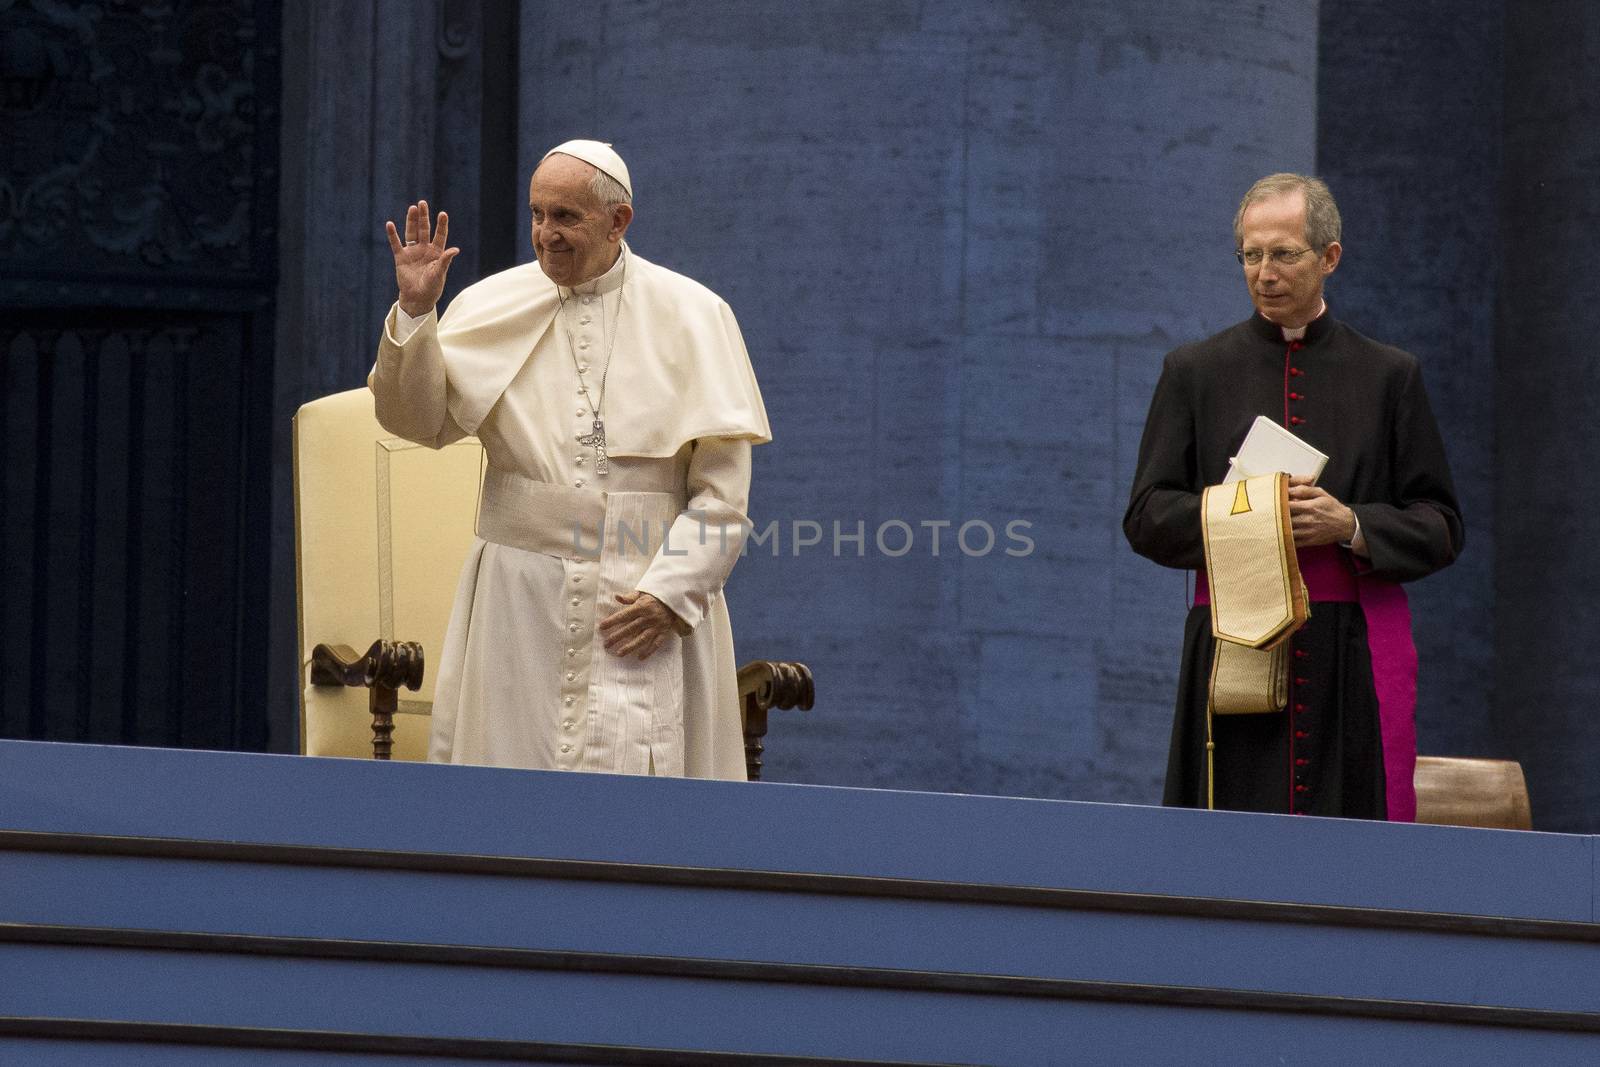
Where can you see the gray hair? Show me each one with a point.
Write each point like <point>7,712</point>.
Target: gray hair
<point>607,190</point>
<point>1322,214</point>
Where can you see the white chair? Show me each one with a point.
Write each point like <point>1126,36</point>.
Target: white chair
<point>381,528</point>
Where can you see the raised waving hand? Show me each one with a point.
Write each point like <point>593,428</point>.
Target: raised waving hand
<point>422,260</point>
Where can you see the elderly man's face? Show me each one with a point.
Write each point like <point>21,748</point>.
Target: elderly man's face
<point>1289,294</point>
<point>575,238</point>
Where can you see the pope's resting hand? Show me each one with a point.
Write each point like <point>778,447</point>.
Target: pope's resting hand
<point>638,628</point>
<point>422,260</point>
<point>1316,517</point>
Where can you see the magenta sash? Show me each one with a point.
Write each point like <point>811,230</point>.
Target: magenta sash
<point>1330,575</point>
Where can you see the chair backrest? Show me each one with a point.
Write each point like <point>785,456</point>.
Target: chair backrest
<point>381,528</point>
<point>1453,791</point>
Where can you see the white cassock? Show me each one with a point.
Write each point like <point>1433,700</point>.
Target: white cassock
<point>524,679</point>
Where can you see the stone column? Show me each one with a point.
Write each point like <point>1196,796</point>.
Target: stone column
<point>1547,574</point>
<point>384,103</point>
<point>1409,139</point>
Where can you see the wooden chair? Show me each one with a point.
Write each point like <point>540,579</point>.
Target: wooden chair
<point>1472,792</point>
<point>381,528</point>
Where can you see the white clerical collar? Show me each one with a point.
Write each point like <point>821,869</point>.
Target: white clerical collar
<point>608,282</point>
<point>1299,332</point>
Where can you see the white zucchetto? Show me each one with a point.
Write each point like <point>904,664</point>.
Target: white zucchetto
<point>599,155</point>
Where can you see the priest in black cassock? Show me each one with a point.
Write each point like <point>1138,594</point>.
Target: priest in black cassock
<point>1384,511</point>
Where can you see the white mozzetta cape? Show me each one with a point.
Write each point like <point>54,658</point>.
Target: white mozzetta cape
<point>689,373</point>
<point>524,679</point>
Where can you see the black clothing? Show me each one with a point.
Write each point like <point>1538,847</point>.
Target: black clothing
<point>1363,404</point>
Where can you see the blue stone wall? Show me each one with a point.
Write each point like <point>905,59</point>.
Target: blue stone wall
<point>959,238</point>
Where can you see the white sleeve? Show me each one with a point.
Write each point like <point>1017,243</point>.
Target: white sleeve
<point>409,388</point>
<point>405,325</point>
<point>704,543</point>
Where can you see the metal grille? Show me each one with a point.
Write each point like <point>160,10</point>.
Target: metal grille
<point>128,583</point>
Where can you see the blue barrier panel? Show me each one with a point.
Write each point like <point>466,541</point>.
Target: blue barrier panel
<point>289,906</point>
<point>986,840</point>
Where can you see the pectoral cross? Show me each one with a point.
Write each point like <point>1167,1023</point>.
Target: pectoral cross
<point>596,440</point>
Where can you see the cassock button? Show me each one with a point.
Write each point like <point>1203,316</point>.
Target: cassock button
<point>566,724</point>
<point>576,601</point>
<point>1295,372</point>
<point>567,701</point>
<point>1301,734</point>
<point>1302,681</point>
<point>572,653</point>
<point>1301,653</point>
<point>572,627</point>
<point>578,460</point>
<point>1301,789</point>
<point>577,579</point>
<point>585,321</point>
<point>583,345</point>
<point>570,676</point>
<point>588,300</point>
<point>1299,707</point>
<point>577,483</point>
<point>566,748</point>
<point>1301,762</point>
<point>1296,396</point>
<point>1295,420</point>
<point>582,367</point>
<point>579,413</point>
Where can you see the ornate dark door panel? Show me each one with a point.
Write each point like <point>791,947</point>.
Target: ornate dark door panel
<point>137,252</point>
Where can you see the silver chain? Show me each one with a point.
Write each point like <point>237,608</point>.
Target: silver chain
<point>572,347</point>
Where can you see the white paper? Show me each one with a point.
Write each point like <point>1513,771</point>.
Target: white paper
<point>1269,447</point>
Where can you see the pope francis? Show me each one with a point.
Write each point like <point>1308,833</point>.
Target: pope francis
<point>617,408</point>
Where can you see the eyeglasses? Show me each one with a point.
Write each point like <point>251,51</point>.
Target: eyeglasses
<point>1280,257</point>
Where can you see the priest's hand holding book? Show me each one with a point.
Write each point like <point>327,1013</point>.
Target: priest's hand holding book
<point>1318,518</point>
<point>1315,515</point>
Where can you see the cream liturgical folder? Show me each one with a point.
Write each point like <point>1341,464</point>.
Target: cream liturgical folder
<point>1268,447</point>
<point>1258,598</point>
<point>1257,595</point>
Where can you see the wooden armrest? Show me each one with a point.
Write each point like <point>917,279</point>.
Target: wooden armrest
<point>1472,792</point>
<point>383,670</point>
<point>764,685</point>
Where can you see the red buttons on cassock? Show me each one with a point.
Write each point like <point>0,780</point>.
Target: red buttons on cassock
<point>1299,707</point>
<point>1296,420</point>
<point>1301,734</point>
<point>1296,396</point>
<point>1302,681</point>
<point>1295,346</point>
<point>1301,653</point>
<point>1301,762</point>
<point>1295,372</point>
<point>1301,789</point>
